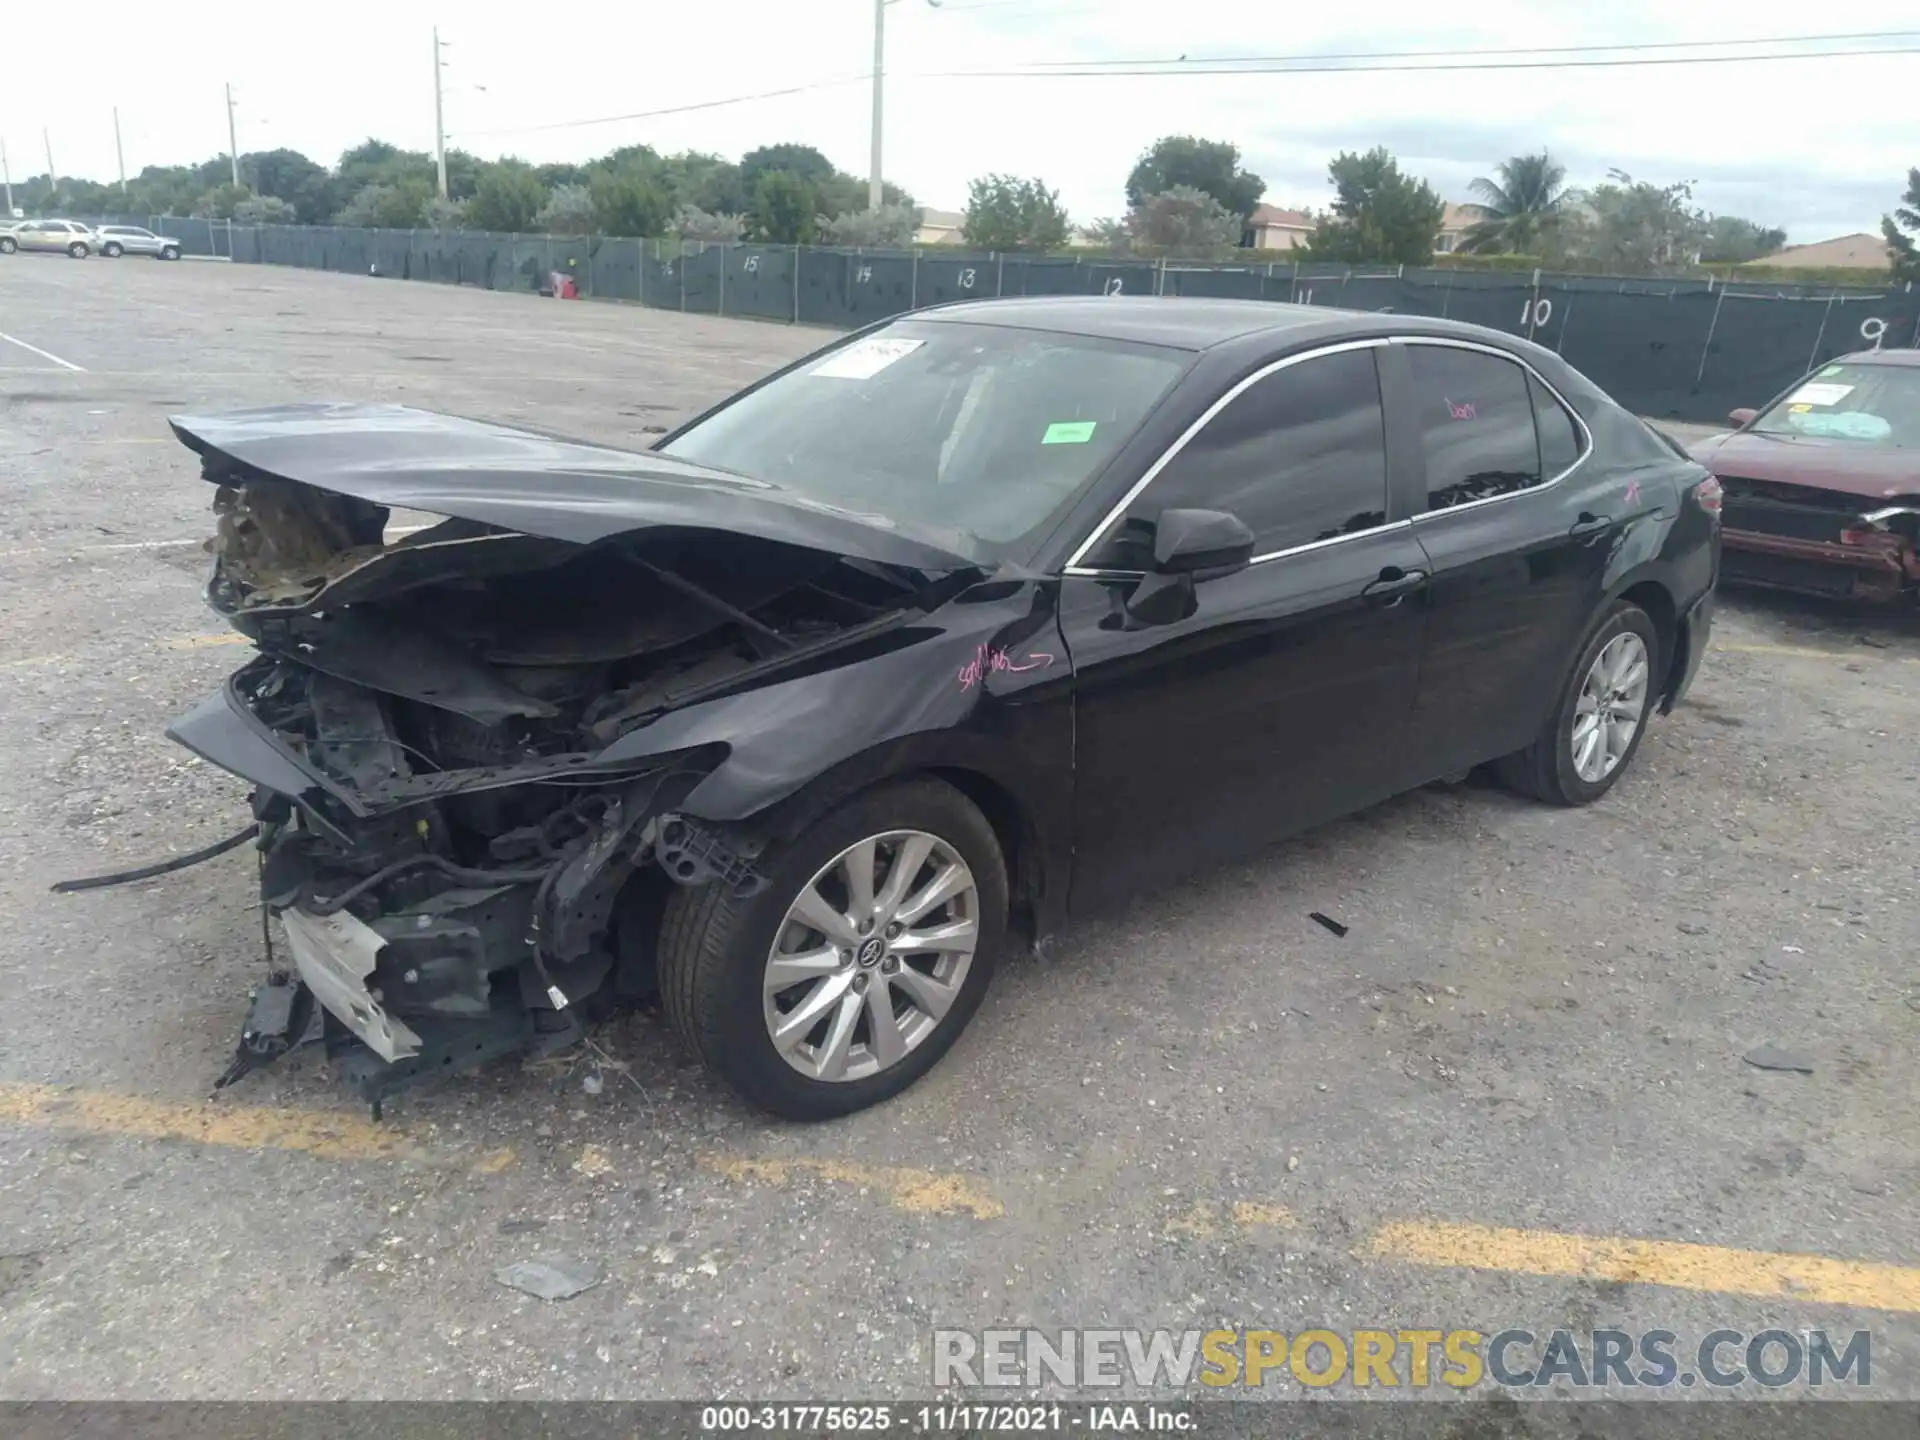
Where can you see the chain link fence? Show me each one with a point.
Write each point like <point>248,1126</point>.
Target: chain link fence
<point>1683,349</point>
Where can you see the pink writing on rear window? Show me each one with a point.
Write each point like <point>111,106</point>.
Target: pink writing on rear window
<point>1462,412</point>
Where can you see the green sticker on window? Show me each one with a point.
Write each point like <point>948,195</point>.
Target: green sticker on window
<point>1830,370</point>
<point>1068,432</point>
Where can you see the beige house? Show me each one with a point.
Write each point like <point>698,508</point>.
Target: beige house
<point>1455,221</point>
<point>1272,228</point>
<point>939,227</point>
<point>1844,252</point>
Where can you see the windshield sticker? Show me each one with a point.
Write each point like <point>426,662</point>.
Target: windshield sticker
<point>1068,432</point>
<point>991,658</point>
<point>1798,409</point>
<point>1817,393</point>
<point>864,359</point>
<point>1830,371</point>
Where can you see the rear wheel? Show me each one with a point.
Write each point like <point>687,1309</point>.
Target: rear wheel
<point>8,244</point>
<point>169,252</point>
<point>112,250</point>
<point>78,250</point>
<point>1596,729</point>
<point>854,970</point>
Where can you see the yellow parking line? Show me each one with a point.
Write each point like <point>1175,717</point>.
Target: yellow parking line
<point>1815,1278</point>
<point>923,1192</point>
<point>1806,652</point>
<point>326,1134</point>
<point>202,642</point>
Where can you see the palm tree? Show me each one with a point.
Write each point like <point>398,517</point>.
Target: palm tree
<point>1521,208</point>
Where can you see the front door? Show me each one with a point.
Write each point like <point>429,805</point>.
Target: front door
<point>1283,698</point>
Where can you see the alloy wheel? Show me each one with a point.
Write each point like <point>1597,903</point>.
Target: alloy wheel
<point>1611,707</point>
<point>871,955</point>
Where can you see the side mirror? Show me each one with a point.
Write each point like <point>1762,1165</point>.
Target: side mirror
<point>1743,417</point>
<point>1188,546</point>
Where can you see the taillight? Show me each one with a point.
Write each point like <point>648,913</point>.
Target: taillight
<point>1708,494</point>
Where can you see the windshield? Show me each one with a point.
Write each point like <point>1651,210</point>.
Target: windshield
<point>980,430</point>
<point>1872,404</point>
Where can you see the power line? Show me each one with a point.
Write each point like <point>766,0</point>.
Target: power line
<point>1161,69</point>
<point>1522,50</point>
<point>1457,60</point>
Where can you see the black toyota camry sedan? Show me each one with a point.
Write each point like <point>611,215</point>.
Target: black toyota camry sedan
<point>966,626</point>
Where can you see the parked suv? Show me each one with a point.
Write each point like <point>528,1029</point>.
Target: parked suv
<point>118,240</point>
<point>68,235</point>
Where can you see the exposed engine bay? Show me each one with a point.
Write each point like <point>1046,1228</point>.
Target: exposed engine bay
<point>454,843</point>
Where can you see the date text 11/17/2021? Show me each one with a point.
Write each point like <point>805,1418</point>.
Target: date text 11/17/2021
<point>956,1418</point>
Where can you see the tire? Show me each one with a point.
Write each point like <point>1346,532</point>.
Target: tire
<point>8,244</point>
<point>715,948</point>
<point>169,252</point>
<point>111,250</point>
<point>78,250</point>
<point>1547,770</point>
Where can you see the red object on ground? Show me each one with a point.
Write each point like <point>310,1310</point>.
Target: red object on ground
<point>562,285</point>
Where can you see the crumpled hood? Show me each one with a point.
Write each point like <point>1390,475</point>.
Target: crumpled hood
<point>534,484</point>
<point>1873,472</point>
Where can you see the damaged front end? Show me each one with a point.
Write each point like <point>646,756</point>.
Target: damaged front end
<point>454,849</point>
<point>1827,542</point>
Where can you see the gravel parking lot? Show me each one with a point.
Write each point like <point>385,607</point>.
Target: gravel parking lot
<point>1206,1110</point>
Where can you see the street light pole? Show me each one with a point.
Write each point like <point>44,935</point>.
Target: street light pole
<point>874,188</point>
<point>119,154</point>
<point>6,178</point>
<point>233,138</point>
<point>53,176</point>
<point>439,116</point>
<point>879,103</point>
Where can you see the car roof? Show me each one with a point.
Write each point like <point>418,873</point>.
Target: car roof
<point>1909,358</point>
<point>1184,322</point>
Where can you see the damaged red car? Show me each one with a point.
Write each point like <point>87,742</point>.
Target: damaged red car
<point>1823,484</point>
<point>975,622</point>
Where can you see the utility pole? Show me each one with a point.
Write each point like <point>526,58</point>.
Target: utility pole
<point>879,104</point>
<point>6,177</point>
<point>119,153</point>
<point>53,182</point>
<point>439,115</point>
<point>233,138</point>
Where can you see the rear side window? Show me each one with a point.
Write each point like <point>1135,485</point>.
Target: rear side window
<point>1559,436</point>
<point>1300,455</point>
<point>1476,425</point>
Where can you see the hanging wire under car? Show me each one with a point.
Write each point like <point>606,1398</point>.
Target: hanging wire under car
<point>163,867</point>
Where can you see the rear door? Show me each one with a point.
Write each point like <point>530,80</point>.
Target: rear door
<point>1517,530</point>
<point>1284,697</point>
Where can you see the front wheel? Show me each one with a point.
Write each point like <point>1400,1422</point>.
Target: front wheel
<point>169,252</point>
<point>1596,729</point>
<point>853,971</point>
<point>8,245</point>
<point>78,250</point>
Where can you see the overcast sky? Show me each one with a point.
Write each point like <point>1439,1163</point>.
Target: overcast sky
<point>1819,146</point>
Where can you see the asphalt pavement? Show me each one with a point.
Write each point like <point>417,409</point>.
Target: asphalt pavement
<point>1513,1094</point>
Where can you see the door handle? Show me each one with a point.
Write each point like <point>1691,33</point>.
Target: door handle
<point>1590,527</point>
<point>1393,586</point>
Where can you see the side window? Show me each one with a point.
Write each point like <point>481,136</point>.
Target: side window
<point>1300,455</point>
<point>1476,425</point>
<point>1559,435</point>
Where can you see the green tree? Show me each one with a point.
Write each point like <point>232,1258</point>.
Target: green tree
<point>1521,208</point>
<point>1210,165</point>
<point>1007,212</point>
<point>564,173</point>
<point>1380,216</point>
<point>1183,221</point>
<point>629,203</point>
<point>783,209</point>
<point>219,203</point>
<point>1901,227</point>
<point>1640,228</point>
<point>1731,240</point>
<point>382,206</point>
<point>891,227</point>
<point>568,211</point>
<point>290,176</point>
<point>802,161</point>
<point>507,198</point>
